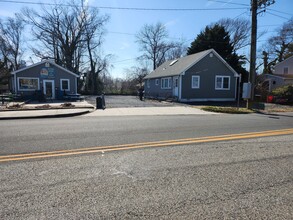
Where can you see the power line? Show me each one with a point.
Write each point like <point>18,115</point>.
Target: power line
<point>280,12</point>
<point>128,8</point>
<point>115,32</point>
<point>231,3</point>
<point>121,61</point>
<point>240,15</point>
<point>268,25</point>
<point>278,15</point>
<point>130,34</point>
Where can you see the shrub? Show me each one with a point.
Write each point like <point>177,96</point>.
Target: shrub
<point>285,92</point>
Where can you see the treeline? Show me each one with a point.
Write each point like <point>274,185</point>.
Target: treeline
<point>73,37</point>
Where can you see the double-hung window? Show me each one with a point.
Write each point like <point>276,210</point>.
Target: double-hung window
<point>65,84</point>
<point>166,83</point>
<point>195,80</point>
<point>222,83</point>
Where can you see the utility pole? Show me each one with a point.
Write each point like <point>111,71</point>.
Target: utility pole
<point>252,49</point>
<point>255,5</point>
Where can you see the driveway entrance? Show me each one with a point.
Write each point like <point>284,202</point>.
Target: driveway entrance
<point>120,101</point>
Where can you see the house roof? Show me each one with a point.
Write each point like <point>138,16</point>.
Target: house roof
<point>284,61</point>
<point>175,68</point>
<point>42,62</point>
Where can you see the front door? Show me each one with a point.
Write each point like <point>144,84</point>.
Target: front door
<point>175,86</point>
<point>49,90</point>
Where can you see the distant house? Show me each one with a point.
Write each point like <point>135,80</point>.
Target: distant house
<point>204,76</point>
<point>283,75</point>
<point>45,77</point>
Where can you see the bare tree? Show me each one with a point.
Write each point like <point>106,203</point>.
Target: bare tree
<point>4,74</point>
<point>59,29</point>
<point>97,73</point>
<point>179,50</point>
<point>153,43</point>
<point>93,35</point>
<point>63,32</point>
<point>11,43</point>
<point>281,44</point>
<point>239,31</point>
<point>278,47</point>
<point>136,74</point>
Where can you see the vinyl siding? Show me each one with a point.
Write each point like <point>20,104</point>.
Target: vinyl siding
<point>34,72</point>
<point>156,91</point>
<point>207,69</point>
<point>279,68</point>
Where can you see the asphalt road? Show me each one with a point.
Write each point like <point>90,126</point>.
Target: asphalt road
<point>237,179</point>
<point>243,179</point>
<point>24,136</point>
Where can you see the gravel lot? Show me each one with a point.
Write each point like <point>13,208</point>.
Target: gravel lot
<point>128,102</point>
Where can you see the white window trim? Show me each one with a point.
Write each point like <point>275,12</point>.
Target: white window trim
<point>195,87</point>
<point>157,82</point>
<point>18,85</point>
<point>169,83</point>
<point>221,76</point>
<point>61,88</point>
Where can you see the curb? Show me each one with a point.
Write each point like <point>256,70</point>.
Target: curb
<point>64,115</point>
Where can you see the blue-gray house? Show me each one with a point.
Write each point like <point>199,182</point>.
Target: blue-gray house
<point>204,76</point>
<point>45,77</point>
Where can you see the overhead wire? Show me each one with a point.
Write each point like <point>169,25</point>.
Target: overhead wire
<point>278,15</point>
<point>125,8</point>
<point>231,3</point>
<point>279,11</point>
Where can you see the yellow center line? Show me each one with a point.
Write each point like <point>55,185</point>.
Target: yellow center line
<point>144,145</point>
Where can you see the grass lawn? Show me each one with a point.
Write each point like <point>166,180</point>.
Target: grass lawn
<point>229,110</point>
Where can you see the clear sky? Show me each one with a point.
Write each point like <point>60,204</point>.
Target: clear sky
<point>181,24</point>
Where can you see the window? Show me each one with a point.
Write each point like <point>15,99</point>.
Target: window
<point>222,82</point>
<point>64,83</point>
<point>157,82</point>
<point>286,70</point>
<point>166,83</point>
<point>195,82</point>
<point>28,84</point>
<point>148,83</point>
<point>176,83</point>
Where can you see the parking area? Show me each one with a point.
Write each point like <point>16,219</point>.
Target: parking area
<point>120,101</point>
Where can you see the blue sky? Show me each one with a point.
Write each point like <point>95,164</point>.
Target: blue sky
<point>124,24</point>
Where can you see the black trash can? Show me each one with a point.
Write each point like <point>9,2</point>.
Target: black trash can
<point>100,102</point>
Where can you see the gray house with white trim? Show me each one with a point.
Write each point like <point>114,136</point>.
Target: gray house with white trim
<point>46,77</point>
<point>204,76</point>
<point>283,75</point>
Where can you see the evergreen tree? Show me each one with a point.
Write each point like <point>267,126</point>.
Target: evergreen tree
<point>217,38</point>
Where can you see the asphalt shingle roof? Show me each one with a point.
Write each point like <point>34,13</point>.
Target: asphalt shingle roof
<point>181,65</point>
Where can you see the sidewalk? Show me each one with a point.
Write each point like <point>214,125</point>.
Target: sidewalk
<point>174,110</point>
<point>87,110</point>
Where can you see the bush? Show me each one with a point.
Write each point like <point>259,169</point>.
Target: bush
<point>284,92</point>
